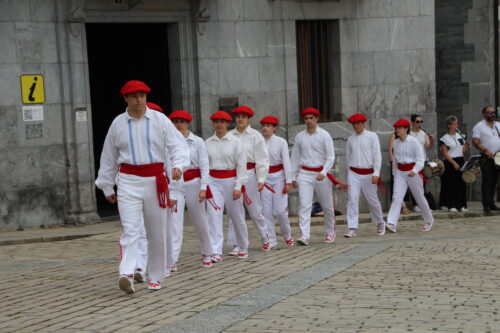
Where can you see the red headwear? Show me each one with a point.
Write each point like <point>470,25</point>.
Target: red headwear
<point>221,115</point>
<point>134,86</point>
<point>357,118</point>
<point>402,123</point>
<point>270,120</point>
<point>154,106</point>
<point>242,109</point>
<point>312,111</point>
<point>181,114</point>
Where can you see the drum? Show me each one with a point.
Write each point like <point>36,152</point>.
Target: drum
<point>433,168</point>
<point>470,175</point>
<point>497,159</point>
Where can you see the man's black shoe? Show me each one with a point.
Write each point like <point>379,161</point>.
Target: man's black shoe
<point>487,209</point>
<point>494,207</point>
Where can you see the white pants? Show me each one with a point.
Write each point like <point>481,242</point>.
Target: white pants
<point>222,189</point>
<point>357,184</point>
<point>138,199</point>
<point>308,184</point>
<point>142,256</point>
<point>275,205</point>
<point>254,210</point>
<point>188,196</point>
<point>401,183</point>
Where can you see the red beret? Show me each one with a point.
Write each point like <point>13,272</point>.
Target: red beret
<point>312,111</point>
<point>357,118</point>
<point>270,120</point>
<point>181,114</point>
<point>243,109</point>
<point>134,86</point>
<point>154,106</point>
<point>221,115</point>
<point>402,123</point>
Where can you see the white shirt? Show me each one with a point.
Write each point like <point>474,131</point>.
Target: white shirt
<point>420,136</point>
<point>256,151</point>
<point>363,152</point>
<point>312,151</point>
<point>488,136</point>
<point>278,154</point>
<point>455,144</point>
<point>409,151</point>
<point>227,154</point>
<point>139,141</point>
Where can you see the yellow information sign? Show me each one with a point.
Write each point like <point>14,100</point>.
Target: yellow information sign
<point>32,89</point>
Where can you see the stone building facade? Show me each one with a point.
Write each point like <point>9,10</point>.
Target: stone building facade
<point>216,54</point>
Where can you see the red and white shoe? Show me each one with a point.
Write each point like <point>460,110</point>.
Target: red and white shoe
<point>206,261</point>
<point>243,254</point>
<point>380,229</point>
<point>391,227</point>
<point>266,247</point>
<point>330,238</point>
<point>302,241</point>
<point>173,268</point>
<point>426,227</point>
<point>139,275</point>
<point>126,283</point>
<point>154,285</point>
<point>216,258</point>
<point>290,241</point>
<point>234,252</point>
<point>351,234</point>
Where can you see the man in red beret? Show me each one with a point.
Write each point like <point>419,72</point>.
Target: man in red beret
<point>228,176</point>
<point>192,191</point>
<point>409,160</point>
<point>313,156</point>
<point>134,154</point>
<point>364,160</point>
<point>279,179</point>
<point>255,149</point>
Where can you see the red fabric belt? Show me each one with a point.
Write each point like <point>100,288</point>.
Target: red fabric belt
<point>191,174</point>
<point>405,167</point>
<point>250,165</point>
<point>151,170</point>
<point>221,174</point>
<point>362,171</point>
<point>275,168</point>
<point>312,169</point>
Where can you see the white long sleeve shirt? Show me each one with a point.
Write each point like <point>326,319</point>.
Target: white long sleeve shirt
<point>409,151</point>
<point>227,153</point>
<point>363,152</point>
<point>315,150</point>
<point>139,141</point>
<point>278,154</point>
<point>255,149</point>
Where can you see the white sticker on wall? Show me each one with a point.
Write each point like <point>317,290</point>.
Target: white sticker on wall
<point>81,116</point>
<point>33,113</point>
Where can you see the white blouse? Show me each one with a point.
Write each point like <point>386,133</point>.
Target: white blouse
<point>454,143</point>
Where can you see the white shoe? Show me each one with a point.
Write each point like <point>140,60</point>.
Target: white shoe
<point>139,275</point>
<point>234,252</point>
<point>351,233</point>
<point>173,268</point>
<point>380,231</point>
<point>453,210</point>
<point>154,285</point>
<point>464,210</point>
<point>126,284</point>
<point>390,227</point>
<point>417,209</point>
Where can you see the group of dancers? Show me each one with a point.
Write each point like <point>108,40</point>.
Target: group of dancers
<point>160,167</point>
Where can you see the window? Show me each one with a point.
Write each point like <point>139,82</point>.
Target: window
<point>317,65</point>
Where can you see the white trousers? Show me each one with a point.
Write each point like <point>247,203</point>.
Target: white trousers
<point>138,202</point>
<point>357,184</point>
<point>254,210</point>
<point>142,257</point>
<point>401,183</point>
<point>275,206</point>
<point>222,190</point>
<point>306,180</point>
<point>188,197</point>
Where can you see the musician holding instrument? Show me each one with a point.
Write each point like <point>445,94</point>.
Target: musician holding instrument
<point>486,138</point>
<point>453,146</point>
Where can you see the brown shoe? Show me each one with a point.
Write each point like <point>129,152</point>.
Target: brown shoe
<point>405,210</point>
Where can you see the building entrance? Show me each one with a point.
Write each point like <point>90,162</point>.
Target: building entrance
<point>118,53</point>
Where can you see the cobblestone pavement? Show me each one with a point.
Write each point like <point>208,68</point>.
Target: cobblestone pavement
<point>446,280</point>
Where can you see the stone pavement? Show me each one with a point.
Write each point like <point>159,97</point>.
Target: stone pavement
<point>446,280</point>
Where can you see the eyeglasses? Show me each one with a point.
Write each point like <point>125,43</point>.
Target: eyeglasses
<point>419,121</point>
<point>492,112</point>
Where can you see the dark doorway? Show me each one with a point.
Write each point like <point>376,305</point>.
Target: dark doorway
<point>118,53</point>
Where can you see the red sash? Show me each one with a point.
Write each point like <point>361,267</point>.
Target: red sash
<point>275,168</point>
<point>312,169</point>
<point>222,174</point>
<point>332,178</point>
<point>405,167</point>
<point>362,171</point>
<point>250,165</point>
<point>191,174</point>
<point>151,170</point>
